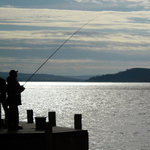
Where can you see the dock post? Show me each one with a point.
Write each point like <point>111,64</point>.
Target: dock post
<point>48,136</point>
<point>52,118</point>
<point>78,121</point>
<point>30,116</point>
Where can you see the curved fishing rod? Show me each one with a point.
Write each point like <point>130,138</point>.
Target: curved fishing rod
<point>59,48</point>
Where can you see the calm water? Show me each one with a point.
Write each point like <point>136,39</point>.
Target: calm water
<point>116,115</point>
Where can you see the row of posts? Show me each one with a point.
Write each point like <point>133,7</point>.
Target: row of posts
<point>47,126</point>
<point>52,119</point>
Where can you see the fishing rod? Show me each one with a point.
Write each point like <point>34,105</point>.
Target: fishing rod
<point>59,48</point>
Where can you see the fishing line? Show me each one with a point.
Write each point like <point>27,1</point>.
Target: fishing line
<point>59,48</point>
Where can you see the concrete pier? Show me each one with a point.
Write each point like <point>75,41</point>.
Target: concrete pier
<point>50,138</point>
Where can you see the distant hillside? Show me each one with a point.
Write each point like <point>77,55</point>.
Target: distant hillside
<point>41,77</point>
<point>130,75</point>
<point>84,77</point>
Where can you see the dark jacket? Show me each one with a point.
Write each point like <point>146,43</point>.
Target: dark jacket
<point>2,89</point>
<point>14,91</point>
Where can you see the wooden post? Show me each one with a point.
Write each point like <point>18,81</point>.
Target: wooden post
<point>48,136</point>
<point>30,116</point>
<point>78,121</point>
<point>52,118</point>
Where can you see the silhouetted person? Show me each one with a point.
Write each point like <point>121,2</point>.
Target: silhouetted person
<point>3,97</point>
<point>14,100</point>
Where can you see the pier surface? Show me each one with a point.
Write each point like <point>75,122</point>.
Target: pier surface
<point>61,138</point>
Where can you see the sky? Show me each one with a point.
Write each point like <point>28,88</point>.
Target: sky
<point>116,36</point>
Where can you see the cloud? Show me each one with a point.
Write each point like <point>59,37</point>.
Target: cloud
<point>88,1</point>
<point>54,19</point>
<point>113,40</point>
<point>94,5</point>
<point>121,5</point>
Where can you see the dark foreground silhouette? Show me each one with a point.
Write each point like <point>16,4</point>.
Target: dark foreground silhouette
<point>14,100</point>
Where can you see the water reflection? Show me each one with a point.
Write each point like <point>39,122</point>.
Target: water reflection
<point>116,115</point>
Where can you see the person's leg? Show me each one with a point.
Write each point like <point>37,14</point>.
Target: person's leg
<point>4,104</point>
<point>15,116</point>
<point>11,117</point>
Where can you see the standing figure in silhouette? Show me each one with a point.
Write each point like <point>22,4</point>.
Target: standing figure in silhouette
<point>3,97</point>
<point>14,100</point>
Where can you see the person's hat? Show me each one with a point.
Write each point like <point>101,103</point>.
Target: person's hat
<point>12,72</point>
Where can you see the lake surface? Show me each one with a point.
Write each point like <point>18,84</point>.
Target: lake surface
<point>116,115</point>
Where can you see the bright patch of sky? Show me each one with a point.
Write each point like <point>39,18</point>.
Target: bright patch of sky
<point>117,39</point>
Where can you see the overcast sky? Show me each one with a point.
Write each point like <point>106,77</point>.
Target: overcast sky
<point>117,39</point>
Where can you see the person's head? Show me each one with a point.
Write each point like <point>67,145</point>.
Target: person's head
<point>13,73</point>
